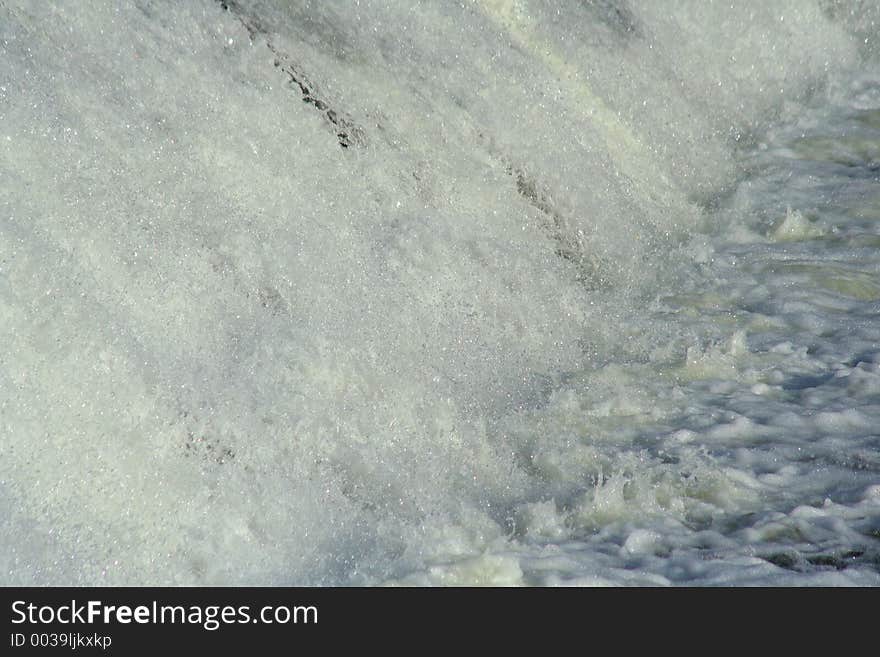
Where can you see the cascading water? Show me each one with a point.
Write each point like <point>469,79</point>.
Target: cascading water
<point>499,291</point>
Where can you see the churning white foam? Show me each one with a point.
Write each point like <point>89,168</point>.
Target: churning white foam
<point>331,293</point>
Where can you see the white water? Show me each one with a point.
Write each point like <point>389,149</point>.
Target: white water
<point>525,292</point>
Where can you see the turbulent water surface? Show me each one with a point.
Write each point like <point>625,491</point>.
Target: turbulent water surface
<point>487,292</point>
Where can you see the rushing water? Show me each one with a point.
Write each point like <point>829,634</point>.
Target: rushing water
<point>495,292</point>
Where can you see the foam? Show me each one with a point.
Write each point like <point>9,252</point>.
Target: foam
<point>317,293</point>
